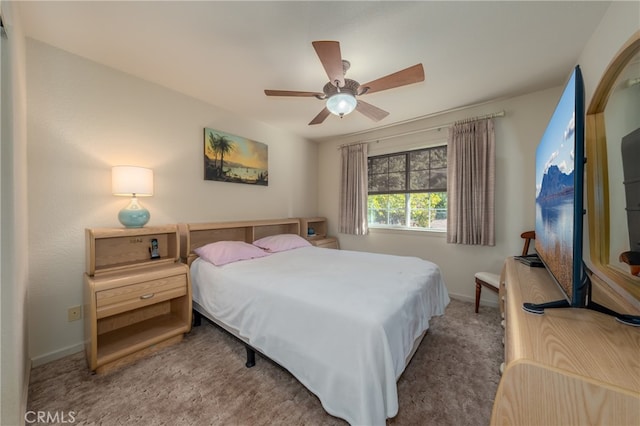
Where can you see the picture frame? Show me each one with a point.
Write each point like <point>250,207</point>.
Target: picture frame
<point>232,158</point>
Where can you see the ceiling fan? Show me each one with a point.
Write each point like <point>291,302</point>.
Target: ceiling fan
<point>341,93</point>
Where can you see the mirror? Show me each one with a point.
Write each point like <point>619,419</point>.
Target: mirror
<point>621,119</point>
<point>614,116</point>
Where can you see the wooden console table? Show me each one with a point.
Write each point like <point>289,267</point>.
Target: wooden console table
<point>567,366</point>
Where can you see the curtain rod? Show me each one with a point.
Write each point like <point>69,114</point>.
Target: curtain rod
<point>430,129</point>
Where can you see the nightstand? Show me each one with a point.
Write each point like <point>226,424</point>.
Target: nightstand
<point>134,304</point>
<point>328,242</point>
<point>318,237</point>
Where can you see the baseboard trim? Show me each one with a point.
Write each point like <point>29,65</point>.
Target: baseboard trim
<point>52,356</point>
<point>25,387</point>
<point>483,302</point>
<point>70,350</point>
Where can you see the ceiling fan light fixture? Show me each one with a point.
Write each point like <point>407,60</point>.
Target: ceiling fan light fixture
<point>341,103</point>
<point>340,93</point>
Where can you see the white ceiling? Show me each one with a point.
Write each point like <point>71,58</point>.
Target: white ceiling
<point>227,53</point>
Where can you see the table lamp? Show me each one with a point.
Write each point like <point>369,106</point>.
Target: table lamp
<point>135,182</point>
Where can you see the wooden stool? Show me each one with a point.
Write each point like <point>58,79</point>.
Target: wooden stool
<point>488,280</point>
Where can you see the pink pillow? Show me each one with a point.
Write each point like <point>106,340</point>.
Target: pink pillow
<point>223,252</point>
<point>281,242</point>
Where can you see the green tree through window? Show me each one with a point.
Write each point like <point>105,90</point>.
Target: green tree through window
<point>408,189</point>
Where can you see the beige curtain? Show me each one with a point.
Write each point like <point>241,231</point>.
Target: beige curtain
<point>353,190</point>
<point>471,183</point>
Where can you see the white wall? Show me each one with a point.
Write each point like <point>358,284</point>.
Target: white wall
<point>14,360</point>
<point>621,21</point>
<point>517,135</point>
<point>84,118</point>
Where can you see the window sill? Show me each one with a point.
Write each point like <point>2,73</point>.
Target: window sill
<point>406,230</point>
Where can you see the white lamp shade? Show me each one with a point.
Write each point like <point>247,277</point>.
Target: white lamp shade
<point>341,103</point>
<point>130,180</point>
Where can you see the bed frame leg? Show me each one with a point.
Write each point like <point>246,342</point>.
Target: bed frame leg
<point>251,357</point>
<point>197,318</point>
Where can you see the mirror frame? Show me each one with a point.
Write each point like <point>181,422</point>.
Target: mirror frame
<point>598,174</point>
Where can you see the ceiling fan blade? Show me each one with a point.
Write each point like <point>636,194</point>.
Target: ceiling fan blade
<point>320,117</point>
<point>406,76</point>
<point>291,93</point>
<point>331,58</point>
<point>373,112</point>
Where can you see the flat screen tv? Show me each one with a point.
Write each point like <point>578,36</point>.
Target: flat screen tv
<point>560,160</point>
<point>559,192</point>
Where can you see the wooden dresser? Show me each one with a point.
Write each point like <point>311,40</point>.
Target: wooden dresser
<point>134,303</point>
<point>566,367</point>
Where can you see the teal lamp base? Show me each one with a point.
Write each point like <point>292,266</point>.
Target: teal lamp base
<point>134,215</point>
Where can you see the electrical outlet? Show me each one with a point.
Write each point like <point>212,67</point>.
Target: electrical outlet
<point>74,313</point>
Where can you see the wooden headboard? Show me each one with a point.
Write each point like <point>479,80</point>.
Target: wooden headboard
<point>194,235</point>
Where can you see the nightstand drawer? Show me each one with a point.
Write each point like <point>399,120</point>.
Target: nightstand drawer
<point>121,299</point>
<point>330,242</point>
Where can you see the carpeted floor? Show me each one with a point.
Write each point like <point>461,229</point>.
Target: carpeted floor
<point>451,380</point>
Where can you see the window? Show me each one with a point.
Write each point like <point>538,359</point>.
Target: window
<point>409,189</point>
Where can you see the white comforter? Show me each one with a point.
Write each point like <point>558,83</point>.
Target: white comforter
<point>342,322</point>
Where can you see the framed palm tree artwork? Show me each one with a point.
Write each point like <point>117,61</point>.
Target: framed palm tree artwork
<point>231,158</point>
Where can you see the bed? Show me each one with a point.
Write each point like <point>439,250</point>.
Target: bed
<point>344,323</point>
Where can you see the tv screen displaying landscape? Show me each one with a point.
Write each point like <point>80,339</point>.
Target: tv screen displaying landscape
<point>555,169</point>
